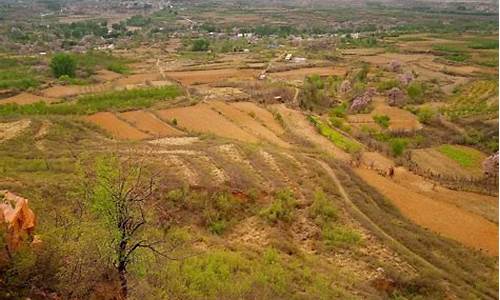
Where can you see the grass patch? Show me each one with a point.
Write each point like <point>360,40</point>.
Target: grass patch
<point>474,99</point>
<point>340,236</point>
<point>465,157</point>
<point>115,100</point>
<point>17,74</point>
<point>224,274</point>
<point>335,137</point>
<point>383,120</point>
<point>483,44</point>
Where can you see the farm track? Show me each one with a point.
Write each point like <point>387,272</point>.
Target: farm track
<point>395,244</point>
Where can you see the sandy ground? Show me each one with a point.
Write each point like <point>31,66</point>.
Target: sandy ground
<point>116,127</point>
<point>434,213</point>
<point>149,123</point>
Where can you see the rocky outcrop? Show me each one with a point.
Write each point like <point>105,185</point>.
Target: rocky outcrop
<point>18,219</point>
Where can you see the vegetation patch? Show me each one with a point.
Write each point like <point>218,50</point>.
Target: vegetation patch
<point>466,157</point>
<point>116,100</point>
<point>282,208</point>
<point>335,137</point>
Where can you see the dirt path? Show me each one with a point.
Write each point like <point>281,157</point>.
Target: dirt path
<point>451,221</point>
<point>374,227</point>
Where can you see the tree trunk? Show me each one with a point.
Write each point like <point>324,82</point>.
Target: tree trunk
<point>122,272</point>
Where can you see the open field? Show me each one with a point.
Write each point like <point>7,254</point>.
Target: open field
<point>210,76</point>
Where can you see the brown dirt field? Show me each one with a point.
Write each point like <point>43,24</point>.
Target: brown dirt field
<point>386,58</point>
<point>116,127</point>
<point>298,125</point>
<point>27,98</point>
<point>245,121</point>
<point>201,118</point>
<point>301,73</point>
<point>363,51</point>
<point>63,91</point>
<point>137,79</point>
<point>449,220</point>
<point>376,161</point>
<point>209,76</point>
<point>265,116</point>
<point>401,120</point>
<point>483,205</point>
<point>438,163</point>
<point>464,70</point>
<point>106,75</point>
<point>149,123</point>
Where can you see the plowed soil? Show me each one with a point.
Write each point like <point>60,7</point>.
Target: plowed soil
<point>435,213</point>
<point>106,75</point>
<point>116,127</point>
<point>201,118</point>
<point>148,122</point>
<point>301,73</point>
<point>209,76</point>
<point>263,115</point>
<point>245,121</point>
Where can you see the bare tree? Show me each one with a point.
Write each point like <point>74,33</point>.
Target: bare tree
<point>119,193</point>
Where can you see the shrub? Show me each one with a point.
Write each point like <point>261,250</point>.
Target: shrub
<point>387,85</point>
<point>398,146</point>
<point>282,208</point>
<point>63,64</point>
<point>339,111</point>
<point>322,209</point>
<point>382,120</point>
<point>340,236</point>
<point>415,90</point>
<point>426,114</point>
<point>200,45</point>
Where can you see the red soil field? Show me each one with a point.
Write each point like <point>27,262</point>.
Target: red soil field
<point>116,127</point>
<point>201,118</point>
